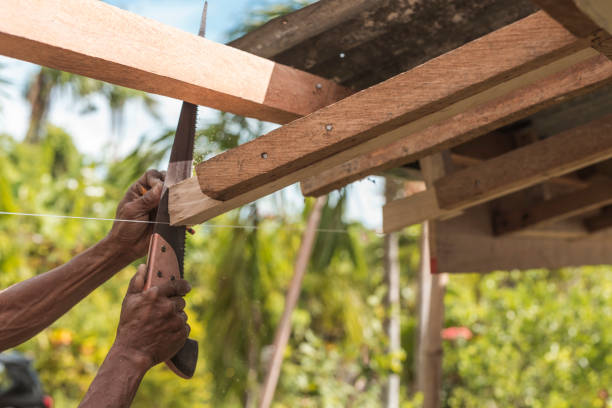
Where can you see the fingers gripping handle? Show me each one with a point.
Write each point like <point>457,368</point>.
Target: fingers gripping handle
<point>162,266</point>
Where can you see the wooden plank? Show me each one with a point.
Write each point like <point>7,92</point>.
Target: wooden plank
<point>473,123</point>
<point>587,19</point>
<point>518,169</point>
<point>493,61</point>
<point>188,205</point>
<point>466,244</point>
<point>94,39</point>
<point>287,31</point>
<point>432,286</point>
<point>398,35</point>
<point>555,209</point>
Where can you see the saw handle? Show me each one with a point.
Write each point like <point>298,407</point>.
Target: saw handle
<point>163,266</point>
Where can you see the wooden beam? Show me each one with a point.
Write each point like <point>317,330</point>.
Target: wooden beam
<point>513,171</point>
<point>475,73</point>
<point>285,32</point>
<point>599,222</point>
<point>94,39</point>
<point>474,122</point>
<point>467,244</point>
<point>555,209</point>
<point>565,180</point>
<point>588,19</point>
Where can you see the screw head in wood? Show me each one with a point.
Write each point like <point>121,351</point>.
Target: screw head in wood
<point>319,86</point>
<point>329,127</point>
<point>264,155</point>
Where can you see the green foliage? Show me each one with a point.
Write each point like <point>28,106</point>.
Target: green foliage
<point>541,339</point>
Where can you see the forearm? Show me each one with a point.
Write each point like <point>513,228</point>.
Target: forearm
<point>117,380</point>
<point>28,307</point>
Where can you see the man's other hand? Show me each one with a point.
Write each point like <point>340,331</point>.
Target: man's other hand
<point>139,204</point>
<point>153,326</point>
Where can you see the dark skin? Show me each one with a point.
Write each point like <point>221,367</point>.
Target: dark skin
<point>30,306</point>
<point>152,328</point>
<point>153,325</point>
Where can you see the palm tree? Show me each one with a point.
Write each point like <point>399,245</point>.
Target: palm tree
<point>41,87</point>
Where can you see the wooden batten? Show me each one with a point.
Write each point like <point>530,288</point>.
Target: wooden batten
<point>475,73</point>
<point>92,38</point>
<point>555,209</point>
<point>475,122</point>
<point>513,171</point>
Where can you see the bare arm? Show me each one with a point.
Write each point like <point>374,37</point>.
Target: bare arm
<point>30,306</point>
<point>152,328</point>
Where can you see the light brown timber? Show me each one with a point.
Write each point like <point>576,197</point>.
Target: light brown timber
<point>459,76</point>
<point>432,286</point>
<point>188,205</point>
<point>95,39</point>
<point>518,169</point>
<point>555,209</point>
<point>475,122</point>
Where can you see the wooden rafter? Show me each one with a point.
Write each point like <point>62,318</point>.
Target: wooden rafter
<point>94,39</point>
<point>470,124</point>
<point>589,19</point>
<point>491,63</point>
<point>566,206</point>
<point>506,60</point>
<point>280,34</point>
<point>518,169</point>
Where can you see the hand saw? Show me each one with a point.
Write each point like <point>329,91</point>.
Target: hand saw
<point>167,247</point>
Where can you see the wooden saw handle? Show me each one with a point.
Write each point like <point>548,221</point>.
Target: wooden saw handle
<point>162,266</point>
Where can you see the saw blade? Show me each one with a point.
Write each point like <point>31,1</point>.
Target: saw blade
<point>180,167</point>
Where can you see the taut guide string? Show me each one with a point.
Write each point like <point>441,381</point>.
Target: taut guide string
<point>22,214</point>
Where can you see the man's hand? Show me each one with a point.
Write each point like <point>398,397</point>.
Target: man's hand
<point>153,324</point>
<point>152,328</point>
<point>139,203</point>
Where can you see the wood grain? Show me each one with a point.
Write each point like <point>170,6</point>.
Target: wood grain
<point>555,209</point>
<point>475,122</point>
<point>287,31</point>
<point>526,166</point>
<point>94,39</point>
<point>495,59</point>
<point>513,171</point>
<point>188,205</point>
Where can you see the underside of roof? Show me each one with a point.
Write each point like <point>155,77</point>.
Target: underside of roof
<point>380,39</point>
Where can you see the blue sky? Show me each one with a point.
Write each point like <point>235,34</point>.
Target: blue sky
<point>93,133</point>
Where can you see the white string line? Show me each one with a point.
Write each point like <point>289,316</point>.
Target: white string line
<point>249,227</point>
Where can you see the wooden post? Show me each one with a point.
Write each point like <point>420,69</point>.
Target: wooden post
<point>432,286</point>
<point>295,286</point>
<point>392,278</point>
